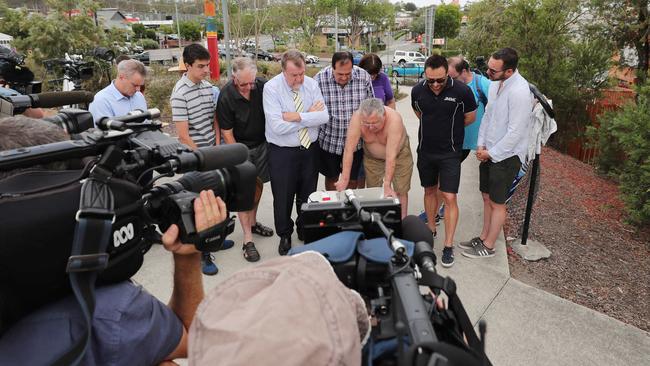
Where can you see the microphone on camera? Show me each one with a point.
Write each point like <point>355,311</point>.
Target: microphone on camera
<point>16,104</point>
<point>413,229</point>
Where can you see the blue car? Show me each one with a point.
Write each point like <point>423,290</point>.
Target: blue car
<point>356,57</point>
<point>408,69</point>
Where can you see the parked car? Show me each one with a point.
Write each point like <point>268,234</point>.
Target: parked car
<point>262,55</point>
<point>402,57</point>
<point>311,59</point>
<point>142,57</point>
<point>356,56</point>
<point>408,69</point>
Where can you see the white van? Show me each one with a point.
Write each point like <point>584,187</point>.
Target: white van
<point>402,57</point>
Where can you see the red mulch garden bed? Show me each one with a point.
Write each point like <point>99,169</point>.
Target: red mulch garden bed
<point>597,259</point>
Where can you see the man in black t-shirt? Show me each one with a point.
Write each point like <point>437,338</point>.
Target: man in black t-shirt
<point>241,118</point>
<point>444,108</point>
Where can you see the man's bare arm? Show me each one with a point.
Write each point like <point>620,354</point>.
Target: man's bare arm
<point>228,136</point>
<point>351,141</point>
<point>470,118</point>
<point>396,134</point>
<point>217,131</point>
<point>183,131</point>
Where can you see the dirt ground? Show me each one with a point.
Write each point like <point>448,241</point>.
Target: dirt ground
<point>597,260</point>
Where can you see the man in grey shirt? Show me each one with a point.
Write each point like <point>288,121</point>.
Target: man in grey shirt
<point>502,146</point>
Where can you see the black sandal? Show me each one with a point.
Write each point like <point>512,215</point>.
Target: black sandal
<point>250,252</point>
<point>262,230</point>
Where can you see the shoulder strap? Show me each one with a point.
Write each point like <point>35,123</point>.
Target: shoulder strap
<point>88,255</point>
<point>446,284</point>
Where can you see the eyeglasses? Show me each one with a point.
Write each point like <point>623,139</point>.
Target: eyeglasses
<point>493,71</point>
<point>438,81</point>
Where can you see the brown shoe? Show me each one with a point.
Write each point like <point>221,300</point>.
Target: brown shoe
<point>250,252</point>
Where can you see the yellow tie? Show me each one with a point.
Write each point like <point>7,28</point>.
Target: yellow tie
<point>303,133</point>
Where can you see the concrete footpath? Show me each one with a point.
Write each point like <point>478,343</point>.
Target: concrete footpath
<point>525,325</point>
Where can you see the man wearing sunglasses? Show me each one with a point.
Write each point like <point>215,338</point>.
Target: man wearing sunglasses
<point>123,95</point>
<point>444,107</point>
<point>502,146</point>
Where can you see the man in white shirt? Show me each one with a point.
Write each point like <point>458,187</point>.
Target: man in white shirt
<point>502,146</point>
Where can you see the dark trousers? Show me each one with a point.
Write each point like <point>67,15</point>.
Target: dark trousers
<point>294,175</point>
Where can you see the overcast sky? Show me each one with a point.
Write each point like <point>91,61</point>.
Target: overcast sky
<point>421,3</point>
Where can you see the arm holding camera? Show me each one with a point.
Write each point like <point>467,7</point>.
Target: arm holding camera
<point>188,283</point>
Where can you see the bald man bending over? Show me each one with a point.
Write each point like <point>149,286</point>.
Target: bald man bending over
<point>386,150</point>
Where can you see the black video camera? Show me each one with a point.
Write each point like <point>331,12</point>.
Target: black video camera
<point>110,178</point>
<point>408,327</point>
<point>14,72</point>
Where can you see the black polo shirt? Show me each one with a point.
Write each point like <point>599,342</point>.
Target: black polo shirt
<point>245,117</point>
<point>442,125</point>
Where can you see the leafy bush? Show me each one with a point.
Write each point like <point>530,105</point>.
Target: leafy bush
<point>623,139</point>
<point>159,84</point>
<point>148,44</point>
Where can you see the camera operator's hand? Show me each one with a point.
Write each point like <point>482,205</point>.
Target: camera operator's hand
<point>208,211</point>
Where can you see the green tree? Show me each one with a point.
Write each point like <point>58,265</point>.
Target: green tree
<point>627,24</point>
<point>138,30</point>
<point>52,35</point>
<point>447,23</point>
<point>365,13</point>
<point>410,7</point>
<point>190,30</point>
<point>623,138</point>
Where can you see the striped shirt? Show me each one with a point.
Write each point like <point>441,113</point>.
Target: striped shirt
<point>195,103</point>
<point>341,102</point>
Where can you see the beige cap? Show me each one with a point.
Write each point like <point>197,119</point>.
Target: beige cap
<point>180,67</point>
<point>284,311</point>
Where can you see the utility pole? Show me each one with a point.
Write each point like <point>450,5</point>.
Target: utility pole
<point>257,30</point>
<point>336,29</point>
<point>178,23</point>
<point>226,33</point>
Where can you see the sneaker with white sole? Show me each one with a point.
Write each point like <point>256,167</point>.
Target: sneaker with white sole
<point>479,251</point>
<point>470,243</point>
<point>447,257</point>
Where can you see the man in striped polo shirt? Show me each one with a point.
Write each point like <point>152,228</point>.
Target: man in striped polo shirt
<point>193,112</point>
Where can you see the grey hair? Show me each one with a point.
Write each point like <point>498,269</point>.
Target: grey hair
<point>294,56</point>
<point>130,67</point>
<point>243,63</point>
<point>21,131</point>
<point>372,105</point>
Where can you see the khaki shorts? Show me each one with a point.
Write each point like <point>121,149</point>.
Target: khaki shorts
<point>375,169</point>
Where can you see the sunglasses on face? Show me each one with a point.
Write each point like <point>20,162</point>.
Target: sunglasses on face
<point>493,71</point>
<point>436,81</point>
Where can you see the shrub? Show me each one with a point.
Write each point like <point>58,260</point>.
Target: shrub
<point>160,83</point>
<point>148,44</point>
<point>623,140</point>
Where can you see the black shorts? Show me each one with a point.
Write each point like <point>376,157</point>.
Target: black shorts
<point>443,166</point>
<point>259,156</point>
<point>330,164</point>
<point>496,179</point>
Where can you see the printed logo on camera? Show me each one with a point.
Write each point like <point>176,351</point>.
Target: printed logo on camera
<point>123,234</point>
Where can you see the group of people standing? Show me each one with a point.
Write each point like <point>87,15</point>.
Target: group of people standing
<point>343,124</point>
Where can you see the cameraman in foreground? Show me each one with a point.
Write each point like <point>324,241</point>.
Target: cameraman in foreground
<point>147,331</point>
